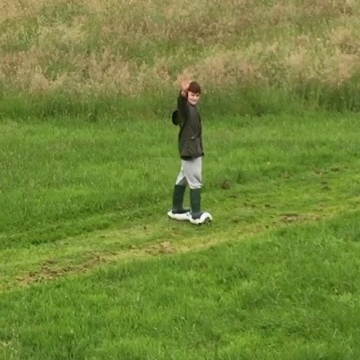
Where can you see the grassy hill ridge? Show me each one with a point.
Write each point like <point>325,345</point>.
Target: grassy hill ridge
<point>264,55</point>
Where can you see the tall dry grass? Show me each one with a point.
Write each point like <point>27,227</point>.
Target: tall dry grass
<point>113,47</point>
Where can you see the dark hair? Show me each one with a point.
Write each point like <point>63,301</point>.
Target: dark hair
<point>194,87</point>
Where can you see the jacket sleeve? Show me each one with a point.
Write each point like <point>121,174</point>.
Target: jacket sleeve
<point>183,107</point>
<point>201,140</point>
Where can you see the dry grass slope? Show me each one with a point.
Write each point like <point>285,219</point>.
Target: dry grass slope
<point>131,47</point>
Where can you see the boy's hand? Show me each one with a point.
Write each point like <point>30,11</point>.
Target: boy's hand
<point>184,87</point>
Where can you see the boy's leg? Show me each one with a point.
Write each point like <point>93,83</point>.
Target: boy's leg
<point>193,173</point>
<point>178,211</point>
<point>179,191</point>
<point>181,178</point>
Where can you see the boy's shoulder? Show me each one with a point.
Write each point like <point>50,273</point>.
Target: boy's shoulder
<point>176,118</point>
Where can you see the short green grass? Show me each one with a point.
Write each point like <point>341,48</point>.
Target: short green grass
<point>91,268</point>
<point>288,294</point>
<point>64,177</point>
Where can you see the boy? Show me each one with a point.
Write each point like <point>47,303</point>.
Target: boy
<point>190,149</point>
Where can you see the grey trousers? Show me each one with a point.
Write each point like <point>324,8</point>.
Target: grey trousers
<point>190,173</point>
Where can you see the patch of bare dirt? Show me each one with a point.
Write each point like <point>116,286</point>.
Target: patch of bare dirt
<point>51,269</point>
<point>160,249</point>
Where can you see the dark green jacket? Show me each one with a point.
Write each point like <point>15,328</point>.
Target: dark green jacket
<point>187,117</point>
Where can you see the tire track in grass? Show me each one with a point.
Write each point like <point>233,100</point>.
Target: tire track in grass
<point>81,255</point>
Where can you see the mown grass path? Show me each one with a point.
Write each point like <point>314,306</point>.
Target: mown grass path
<point>259,175</point>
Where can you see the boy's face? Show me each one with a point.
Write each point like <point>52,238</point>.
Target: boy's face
<point>193,98</point>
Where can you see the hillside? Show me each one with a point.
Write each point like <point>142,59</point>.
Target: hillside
<point>306,52</point>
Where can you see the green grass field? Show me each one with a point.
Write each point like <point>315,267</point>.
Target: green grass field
<point>91,268</point>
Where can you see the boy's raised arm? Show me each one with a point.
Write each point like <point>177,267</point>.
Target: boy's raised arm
<point>182,102</point>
